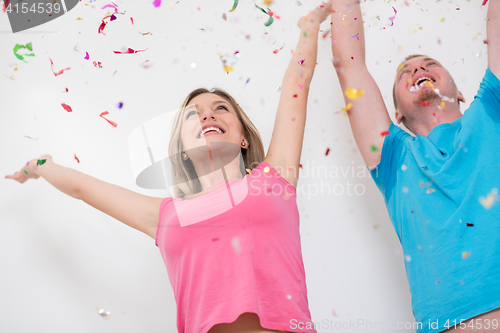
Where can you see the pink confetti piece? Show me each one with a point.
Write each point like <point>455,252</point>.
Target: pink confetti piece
<point>110,5</point>
<point>301,62</point>
<point>129,51</point>
<point>131,19</point>
<point>29,137</point>
<point>112,123</point>
<point>87,57</point>
<point>276,51</point>
<point>157,3</point>
<point>301,87</point>
<point>112,18</point>
<point>97,64</point>
<point>59,72</point>
<point>66,107</point>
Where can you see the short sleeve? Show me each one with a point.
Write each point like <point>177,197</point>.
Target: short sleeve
<point>384,174</point>
<point>488,95</point>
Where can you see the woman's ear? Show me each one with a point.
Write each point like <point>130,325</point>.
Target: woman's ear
<point>244,144</point>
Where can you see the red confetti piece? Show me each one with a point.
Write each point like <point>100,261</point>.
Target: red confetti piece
<point>385,133</point>
<point>112,18</point>
<point>327,151</point>
<point>326,34</point>
<point>57,73</point>
<point>145,33</point>
<point>276,51</point>
<point>66,107</point>
<point>469,224</point>
<point>29,137</point>
<point>300,166</point>
<point>97,64</point>
<point>76,158</point>
<point>424,104</point>
<point>87,56</point>
<point>66,89</point>
<point>101,27</point>
<point>109,121</point>
<point>295,95</point>
<point>484,2</point>
<point>129,51</point>
<point>131,19</point>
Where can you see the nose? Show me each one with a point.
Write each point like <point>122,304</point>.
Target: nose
<point>416,69</point>
<point>207,115</point>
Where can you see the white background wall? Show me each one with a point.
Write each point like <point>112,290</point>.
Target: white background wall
<point>60,259</point>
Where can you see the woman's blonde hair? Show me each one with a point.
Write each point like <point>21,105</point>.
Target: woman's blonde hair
<point>184,177</point>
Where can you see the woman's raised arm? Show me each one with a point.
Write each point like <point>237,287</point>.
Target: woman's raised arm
<point>138,211</point>
<point>286,143</point>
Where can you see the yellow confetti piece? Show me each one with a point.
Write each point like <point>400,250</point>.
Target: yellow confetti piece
<point>401,66</point>
<point>228,68</point>
<point>345,109</point>
<point>430,190</point>
<point>266,169</point>
<point>79,19</point>
<point>441,19</point>
<point>352,93</point>
<point>488,201</point>
<point>441,105</point>
<point>465,254</point>
<point>420,28</point>
<point>249,171</point>
<point>429,83</point>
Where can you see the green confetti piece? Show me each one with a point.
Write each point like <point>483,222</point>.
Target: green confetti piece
<point>271,19</point>
<point>28,46</point>
<point>305,34</point>
<point>373,148</point>
<point>25,172</point>
<point>234,5</point>
<point>41,162</point>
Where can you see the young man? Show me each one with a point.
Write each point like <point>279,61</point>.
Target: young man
<point>441,185</point>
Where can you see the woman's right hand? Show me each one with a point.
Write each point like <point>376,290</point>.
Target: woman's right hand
<point>30,170</point>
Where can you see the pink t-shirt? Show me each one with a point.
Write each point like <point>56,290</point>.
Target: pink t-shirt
<point>236,250</point>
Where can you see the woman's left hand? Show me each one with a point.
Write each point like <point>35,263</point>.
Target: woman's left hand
<point>316,16</point>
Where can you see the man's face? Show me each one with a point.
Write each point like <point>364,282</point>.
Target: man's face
<point>415,88</point>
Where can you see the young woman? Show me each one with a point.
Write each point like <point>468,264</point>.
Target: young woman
<point>229,235</point>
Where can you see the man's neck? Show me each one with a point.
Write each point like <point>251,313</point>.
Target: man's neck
<point>435,117</point>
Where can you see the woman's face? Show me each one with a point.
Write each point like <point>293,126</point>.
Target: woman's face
<point>209,118</point>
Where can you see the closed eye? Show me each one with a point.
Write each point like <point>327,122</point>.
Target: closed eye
<point>190,113</point>
<point>222,106</point>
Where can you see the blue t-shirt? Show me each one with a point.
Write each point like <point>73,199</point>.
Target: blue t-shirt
<point>441,192</point>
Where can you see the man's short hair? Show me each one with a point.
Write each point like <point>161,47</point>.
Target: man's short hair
<point>394,87</point>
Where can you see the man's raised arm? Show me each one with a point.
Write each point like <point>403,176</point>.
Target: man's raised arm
<point>367,114</point>
<point>493,32</point>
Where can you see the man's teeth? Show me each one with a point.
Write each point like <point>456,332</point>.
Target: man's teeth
<point>422,80</point>
<point>208,129</point>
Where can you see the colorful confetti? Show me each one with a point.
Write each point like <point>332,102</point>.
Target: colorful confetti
<point>41,162</point>
<point>25,172</point>
<point>66,107</point>
<point>87,57</point>
<point>465,254</point>
<point>129,51</point>
<point>59,72</point>
<point>234,5</point>
<point>469,224</point>
<point>489,200</point>
<point>327,151</point>
<point>97,64</point>
<point>424,104</point>
<point>352,93</point>
<point>112,123</point>
<point>301,61</point>
<point>105,314</point>
<point>430,190</point>
<point>270,13</point>
<point>484,2</point>
<point>157,3</point>
<point>373,148</point>
<point>76,158</point>
<point>28,46</point>
<point>385,133</point>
